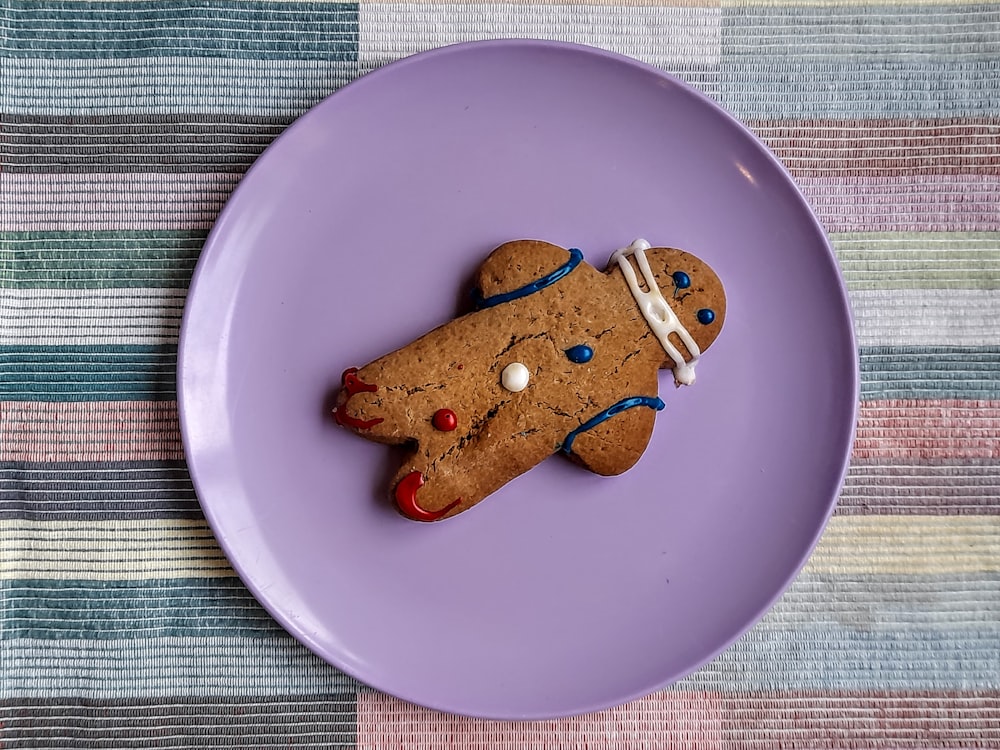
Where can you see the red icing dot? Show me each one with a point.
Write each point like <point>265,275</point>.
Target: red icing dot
<point>461,367</point>
<point>445,420</point>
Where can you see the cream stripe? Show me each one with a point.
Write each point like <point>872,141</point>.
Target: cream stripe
<point>896,317</point>
<point>926,317</point>
<point>86,202</point>
<point>878,545</point>
<point>665,36</point>
<point>570,3</point>
<point>109,550</point>
<point>135,550</point>
<point>90,316</point>
<point>842,3</point>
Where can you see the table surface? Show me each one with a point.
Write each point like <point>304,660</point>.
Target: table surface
<point>125,125</point>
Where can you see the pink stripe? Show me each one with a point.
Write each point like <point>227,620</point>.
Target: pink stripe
<point>910,203</point>
<point>863,719</point>
<point>866,147</point>
<point>674,719</point>
<point>79,202</point>
<point>148,430</point>
<point>89,431</point>
<point>664,720</point>
<point>928,429</point>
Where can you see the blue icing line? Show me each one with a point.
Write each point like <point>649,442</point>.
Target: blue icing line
<point>575,256</point>
<point>653,402</point>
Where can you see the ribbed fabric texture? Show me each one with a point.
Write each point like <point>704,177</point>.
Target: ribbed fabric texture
<point>124,127</point>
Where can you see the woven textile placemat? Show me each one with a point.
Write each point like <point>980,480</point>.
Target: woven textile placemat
<point>125,125</point>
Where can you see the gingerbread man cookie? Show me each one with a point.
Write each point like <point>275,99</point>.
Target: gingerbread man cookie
<point>558,357</point>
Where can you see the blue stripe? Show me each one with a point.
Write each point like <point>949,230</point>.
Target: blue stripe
<point>188,28</point>
<point>841,659</point>
<point>800,88</point>
<point>138,668</point>
<point>930,372</point>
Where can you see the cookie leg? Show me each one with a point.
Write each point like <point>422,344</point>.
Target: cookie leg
<point>613,446</point>
<point>428,489</point>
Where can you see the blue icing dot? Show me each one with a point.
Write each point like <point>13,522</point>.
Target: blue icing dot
<point>681,280</point>
<point>580,354</point>
<point>705,316</point>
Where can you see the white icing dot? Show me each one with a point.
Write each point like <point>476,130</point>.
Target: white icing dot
<point>515,377</point>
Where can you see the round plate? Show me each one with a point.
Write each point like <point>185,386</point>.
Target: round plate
<point>359,229</point>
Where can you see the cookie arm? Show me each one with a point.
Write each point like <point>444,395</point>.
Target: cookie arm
<point>516,264</point>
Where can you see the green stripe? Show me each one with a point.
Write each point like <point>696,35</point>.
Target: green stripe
<point>876,261</point>
<point>166,259</point>
<point>183,28</point>
<point>99,260</point>
<point>773,33</point>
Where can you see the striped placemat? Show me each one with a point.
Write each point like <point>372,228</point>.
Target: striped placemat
<point>124,126</point>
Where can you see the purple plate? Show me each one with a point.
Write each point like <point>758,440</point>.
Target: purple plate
<point>358,230</point>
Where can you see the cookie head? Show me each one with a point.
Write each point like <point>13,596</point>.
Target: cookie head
<point>680,297</point>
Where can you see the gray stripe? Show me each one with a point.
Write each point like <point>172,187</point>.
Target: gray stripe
<point>940,488</point>
<point>269,722</point>
<point>141,490</point>
<point>170,143</point>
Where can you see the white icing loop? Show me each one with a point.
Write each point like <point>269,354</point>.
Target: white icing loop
<point>656,310</point>
<point>515,377</point>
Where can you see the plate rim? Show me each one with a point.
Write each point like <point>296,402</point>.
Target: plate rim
<point>220,227</point>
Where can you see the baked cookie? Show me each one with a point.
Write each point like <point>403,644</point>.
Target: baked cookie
<point>558,357</point>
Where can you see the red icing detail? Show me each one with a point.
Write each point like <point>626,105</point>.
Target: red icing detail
<point>406,499</point>
<point>445,420</point>
<point>344,419</point>
<point>461,367</point>
<point>353,384</point>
